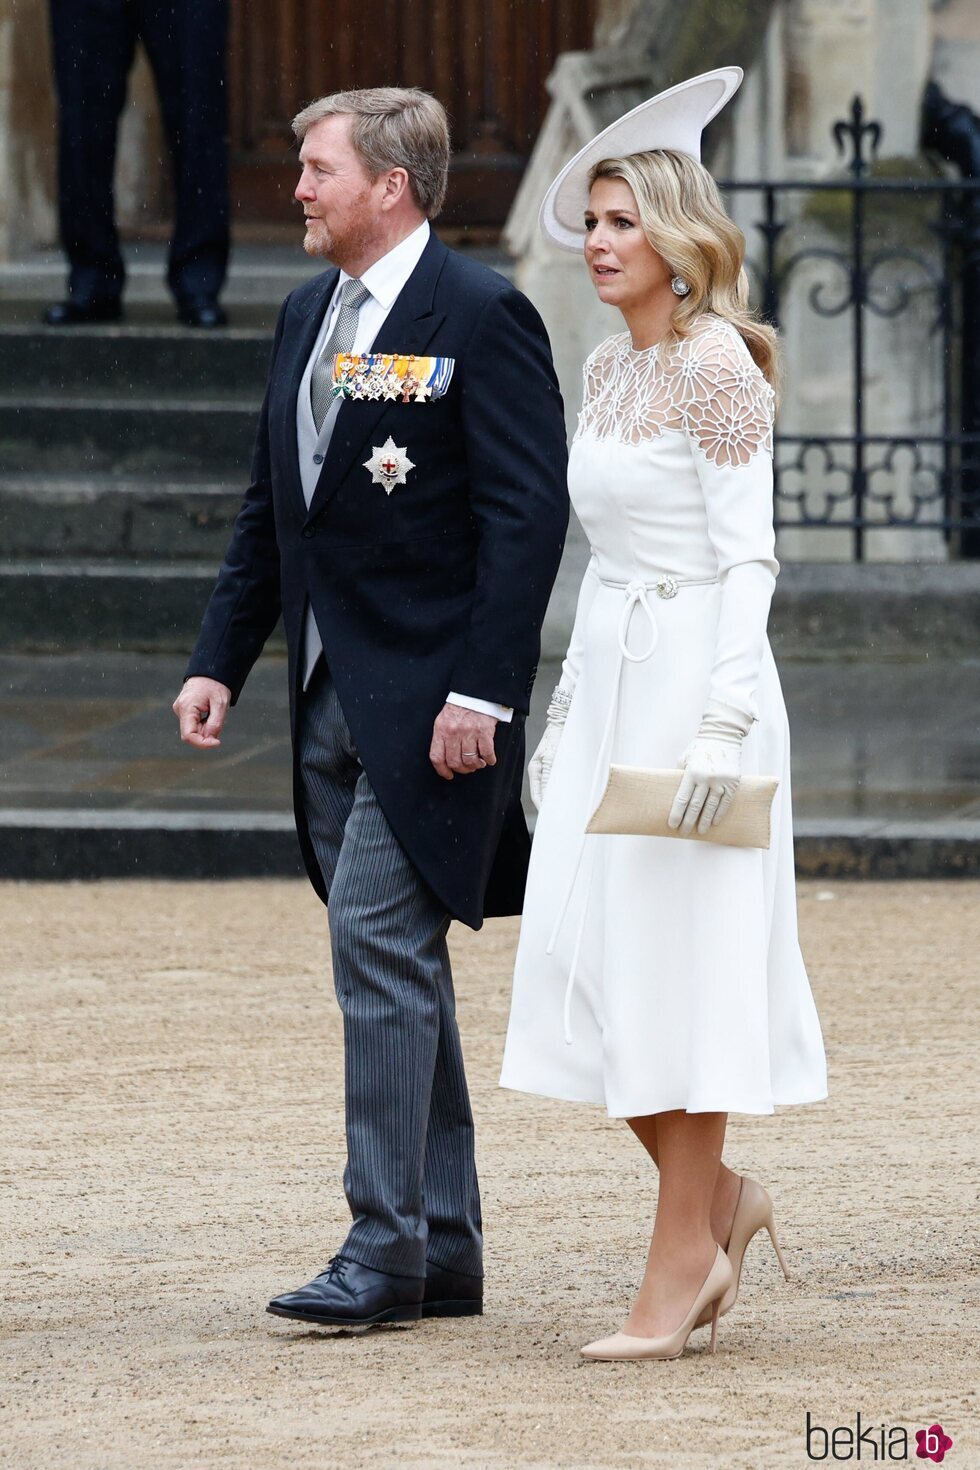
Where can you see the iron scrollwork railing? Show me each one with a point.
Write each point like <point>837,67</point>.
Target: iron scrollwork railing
<point>847,478</point>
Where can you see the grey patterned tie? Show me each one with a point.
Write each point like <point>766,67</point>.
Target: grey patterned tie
<point>353,294</point>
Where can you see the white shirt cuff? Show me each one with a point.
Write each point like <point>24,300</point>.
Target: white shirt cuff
<point>502,712</point>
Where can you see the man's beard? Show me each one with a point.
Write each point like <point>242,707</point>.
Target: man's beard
<point>317,241</point>
<point>348,246</point>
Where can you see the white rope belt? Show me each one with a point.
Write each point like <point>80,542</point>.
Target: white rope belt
<point>636,592</point>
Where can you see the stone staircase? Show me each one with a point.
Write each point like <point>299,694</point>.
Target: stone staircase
<point>124,451</point>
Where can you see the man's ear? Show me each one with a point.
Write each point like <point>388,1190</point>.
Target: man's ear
<point>397,187</point>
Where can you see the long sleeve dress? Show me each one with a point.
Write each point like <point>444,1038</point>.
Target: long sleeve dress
<point>659,973</point>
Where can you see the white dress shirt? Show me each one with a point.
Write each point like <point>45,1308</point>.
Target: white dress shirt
<point>385,280</point>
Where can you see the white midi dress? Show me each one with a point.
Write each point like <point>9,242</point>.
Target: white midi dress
<point>659,973</point>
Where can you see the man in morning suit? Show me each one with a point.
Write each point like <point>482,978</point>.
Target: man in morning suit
<point>406,516</point>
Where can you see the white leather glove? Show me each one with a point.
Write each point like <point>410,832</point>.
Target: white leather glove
<point>712,770</point>
<point>539,766</point>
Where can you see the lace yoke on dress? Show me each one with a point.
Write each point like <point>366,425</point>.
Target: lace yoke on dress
<point>706,386</point>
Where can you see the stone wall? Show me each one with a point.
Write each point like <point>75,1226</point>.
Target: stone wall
<point>835,49</point>
<point>956,49</point>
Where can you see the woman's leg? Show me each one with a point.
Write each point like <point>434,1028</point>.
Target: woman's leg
<point>727,1185</point>
<point>682,1249</point>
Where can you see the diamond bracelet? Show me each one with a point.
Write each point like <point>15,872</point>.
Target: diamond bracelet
<point>561,700</point>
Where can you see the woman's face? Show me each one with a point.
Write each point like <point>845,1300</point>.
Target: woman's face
<point>625,268</point>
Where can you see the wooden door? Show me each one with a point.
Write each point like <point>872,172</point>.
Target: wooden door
<point>486,60</point>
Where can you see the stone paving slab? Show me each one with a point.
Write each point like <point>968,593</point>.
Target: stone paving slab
<point>96,782</point>
<point>65,843</point>
<point>887,742</point>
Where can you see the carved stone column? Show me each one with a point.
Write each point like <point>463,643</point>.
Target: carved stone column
<point>612,18</point>
<point>27,204</point>
<point>956,52</point>
<point>836,49</point>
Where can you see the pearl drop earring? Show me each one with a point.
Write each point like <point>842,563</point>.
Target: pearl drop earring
<point>679,286</point>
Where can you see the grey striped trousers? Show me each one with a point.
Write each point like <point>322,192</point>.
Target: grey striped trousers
<point>410,1178</point>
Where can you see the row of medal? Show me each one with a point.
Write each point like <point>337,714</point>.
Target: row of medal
<point>389,376</point>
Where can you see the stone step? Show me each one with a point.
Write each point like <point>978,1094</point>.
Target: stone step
<point>61,606</point>
<point>833,612</point>
<point>144,435</point>
<point>168,361</point>
<point>260,276</point>
<point>61,844</point>
<point>77,516</point>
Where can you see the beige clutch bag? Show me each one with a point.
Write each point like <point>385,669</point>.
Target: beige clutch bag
<point>636,802</point>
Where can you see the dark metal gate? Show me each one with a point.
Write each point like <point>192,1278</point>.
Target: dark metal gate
<point>863,278</point>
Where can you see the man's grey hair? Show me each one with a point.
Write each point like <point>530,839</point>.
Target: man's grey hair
<point>392,127</point>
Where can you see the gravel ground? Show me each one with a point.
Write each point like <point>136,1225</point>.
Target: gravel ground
<point>170,1150</point>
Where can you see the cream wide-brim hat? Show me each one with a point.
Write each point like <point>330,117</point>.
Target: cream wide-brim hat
<point>673,119</point>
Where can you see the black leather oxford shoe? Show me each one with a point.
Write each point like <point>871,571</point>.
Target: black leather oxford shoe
<point>347,1294</point>
<point>448,1294</point>
<point>81,313</point>
<point>201,314</point>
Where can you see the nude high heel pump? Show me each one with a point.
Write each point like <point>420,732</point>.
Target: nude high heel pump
<point>621,1346</point>
<point>753,1212</point>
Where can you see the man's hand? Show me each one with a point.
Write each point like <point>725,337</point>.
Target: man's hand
<point>462,741</point>
<point>201,707</point>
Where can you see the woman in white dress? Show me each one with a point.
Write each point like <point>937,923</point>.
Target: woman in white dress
<point>659,977</point>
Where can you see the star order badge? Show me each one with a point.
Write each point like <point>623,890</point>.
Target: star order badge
<point>389,466</point>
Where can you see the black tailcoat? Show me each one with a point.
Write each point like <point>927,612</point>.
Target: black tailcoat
<point>440,586</point>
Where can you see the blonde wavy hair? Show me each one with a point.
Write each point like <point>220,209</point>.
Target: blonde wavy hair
<point>685,221</point>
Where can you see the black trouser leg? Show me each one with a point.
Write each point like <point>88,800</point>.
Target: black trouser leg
<point>186,42</point>
<point>93,43</point>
